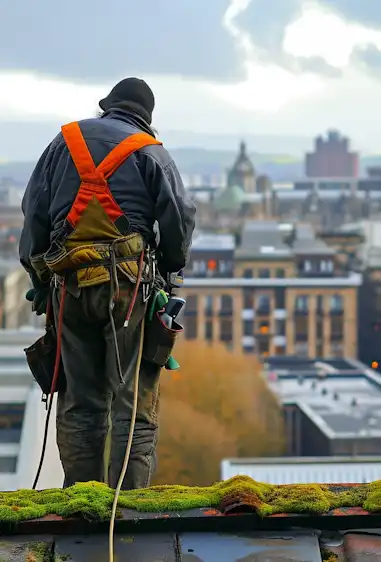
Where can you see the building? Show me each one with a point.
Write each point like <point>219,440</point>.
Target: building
<point>327,200</point>
<point>22,419</point>
<point>305,470</point>
<point>332,158</point>
<point>17,311</point>
<point>331,407</point>
<point>287,294</point>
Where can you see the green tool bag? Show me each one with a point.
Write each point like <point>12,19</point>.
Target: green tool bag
<point>159,340</point>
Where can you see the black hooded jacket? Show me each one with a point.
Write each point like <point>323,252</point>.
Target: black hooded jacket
<point>147,187</point>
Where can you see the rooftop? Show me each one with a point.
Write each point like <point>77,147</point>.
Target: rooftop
<point>351,280</point>
<point>304,470</point>
<point>342,397</point>
<point>230,532</point>
<point>210,241</point>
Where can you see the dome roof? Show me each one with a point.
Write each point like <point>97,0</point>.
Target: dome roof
<point>230,199</point>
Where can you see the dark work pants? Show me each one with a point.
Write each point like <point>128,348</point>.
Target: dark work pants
<point>94,390</point>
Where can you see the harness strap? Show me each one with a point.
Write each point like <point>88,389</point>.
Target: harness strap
<point>84,162</point>
<point>80,154</point>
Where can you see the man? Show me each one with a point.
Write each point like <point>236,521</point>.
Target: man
<point>90,209</point>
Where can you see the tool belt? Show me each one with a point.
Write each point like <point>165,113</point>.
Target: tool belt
<point>99,261</point>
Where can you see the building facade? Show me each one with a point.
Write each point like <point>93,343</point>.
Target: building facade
<point>273,297</point>
<point>332,158</point>
<point>22,419</point>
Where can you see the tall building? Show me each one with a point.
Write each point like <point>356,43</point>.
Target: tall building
<point>286,294</point>
<point>332,158</point>
<point>22,419</point>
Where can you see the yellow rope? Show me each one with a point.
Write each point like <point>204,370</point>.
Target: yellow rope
<point>129,445</point>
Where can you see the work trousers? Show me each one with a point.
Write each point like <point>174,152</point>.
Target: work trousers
<point>94,393</point>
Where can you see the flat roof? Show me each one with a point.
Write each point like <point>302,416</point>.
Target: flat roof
<point>352,280</point>
<point>305,470</point>
<point>342,397</point>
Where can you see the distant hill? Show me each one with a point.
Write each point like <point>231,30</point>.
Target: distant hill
<point>207,162</point>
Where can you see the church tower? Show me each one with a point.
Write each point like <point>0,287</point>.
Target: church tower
<point>242,174</point>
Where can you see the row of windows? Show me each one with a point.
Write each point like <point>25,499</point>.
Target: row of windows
<point>263,302</point>
<point>225,267</point>
<point>263,329</point>
<point>264,273</point>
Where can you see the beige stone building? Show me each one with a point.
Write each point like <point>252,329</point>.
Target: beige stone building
<point>281,292</point>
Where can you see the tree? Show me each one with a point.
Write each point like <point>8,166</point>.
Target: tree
<point>215,393</point>
<point>191,445</point>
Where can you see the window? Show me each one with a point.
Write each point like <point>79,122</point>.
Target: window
<point>280,327</point>
<point>190,327</point>
<point>280,273</point>
<point>337,349</point>
<point>191,304</point>
<point>264,273</point>
<point>263,303</point>
<point>279,298</point>
<point>248,273</point>
<point>263,346</point>
<point>320,304</point>
<point>8,464</point>
<point>208,303</point>
<point>301,349</point>
<point>226,304</point>
<point>248,299</point>
<point>199,267</point>
<point>248,327</point>
<point>264,328</point>
<point>337,328</point>
<point>336,303</point>
<point>307,266</point>
<point>326,266</point>
<point>301,328</point>
<point>301,303</point>
<point>11,420</point>
<point>226,330</point>
<point>209,330</point>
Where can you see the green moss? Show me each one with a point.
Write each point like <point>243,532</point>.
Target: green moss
<point>38,552</point>
<point>327,556</point>
<point>93,500</point>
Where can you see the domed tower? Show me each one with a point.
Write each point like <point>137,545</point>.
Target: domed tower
<point>242,173</point>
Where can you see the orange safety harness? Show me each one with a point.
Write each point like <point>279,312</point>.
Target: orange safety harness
<point>93,191</point>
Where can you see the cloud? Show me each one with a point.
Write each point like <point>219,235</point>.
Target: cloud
<point>317,36</point>
<point>92,41</point>
<point>366,12</point>
<point>368,58</point>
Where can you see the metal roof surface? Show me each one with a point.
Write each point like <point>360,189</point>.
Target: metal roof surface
<point>289,543</point>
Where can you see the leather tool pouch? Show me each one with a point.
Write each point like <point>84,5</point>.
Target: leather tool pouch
<point>159,340</point>
<point>41,357</point>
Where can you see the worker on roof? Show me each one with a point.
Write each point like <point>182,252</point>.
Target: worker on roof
<point>90,209</point>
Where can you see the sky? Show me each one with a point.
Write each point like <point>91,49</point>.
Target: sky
<point>221,67</point>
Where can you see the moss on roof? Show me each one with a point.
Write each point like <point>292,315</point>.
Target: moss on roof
<point>93,500</point>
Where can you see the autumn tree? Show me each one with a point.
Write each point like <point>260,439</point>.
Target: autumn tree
<point>216,393</point>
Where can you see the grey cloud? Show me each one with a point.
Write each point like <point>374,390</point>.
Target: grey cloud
<point>95,41</point>
<point>367,12</point>
<point>369,58</point>
<point>317,65</point>
<point>266,21</point>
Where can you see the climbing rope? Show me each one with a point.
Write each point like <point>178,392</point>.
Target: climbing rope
<point>55,377</point>
<point>128,448</point>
